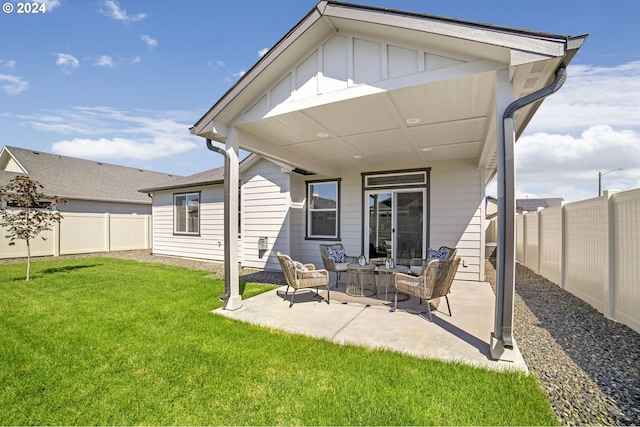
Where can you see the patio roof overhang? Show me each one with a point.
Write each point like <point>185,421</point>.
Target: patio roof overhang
<point>298,107</point>
<point>456,103</point>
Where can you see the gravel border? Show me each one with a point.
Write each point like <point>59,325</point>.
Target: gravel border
<point>589,366</point>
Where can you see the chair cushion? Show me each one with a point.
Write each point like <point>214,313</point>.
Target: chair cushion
<point>436,254</point>
<point>300,266</point>
<point>336,254</point>
<point>416,269</point>
<point>341,266</point>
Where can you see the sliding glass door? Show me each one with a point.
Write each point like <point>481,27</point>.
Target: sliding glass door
<point>395,224</point>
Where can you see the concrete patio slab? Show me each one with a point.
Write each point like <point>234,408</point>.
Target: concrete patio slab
<point>369,322</point>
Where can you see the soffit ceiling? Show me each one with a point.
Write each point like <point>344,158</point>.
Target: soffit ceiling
<point>371,131</point>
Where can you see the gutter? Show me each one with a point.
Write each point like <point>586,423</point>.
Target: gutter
<point>505,286</point>
<point>227,237</point>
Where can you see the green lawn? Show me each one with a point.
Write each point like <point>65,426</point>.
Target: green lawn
<point>99,341</point>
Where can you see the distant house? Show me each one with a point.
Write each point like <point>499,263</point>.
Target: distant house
<point>522,205</point>
<point>88,186</point>
<point>530,205</point>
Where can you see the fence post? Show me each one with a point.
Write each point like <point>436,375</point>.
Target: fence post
<point>56,238</point>
<point>563,242</point>
<point>148,232</point>
<point>610,261</point>
<point>107,232</point>
<point>538,239</point>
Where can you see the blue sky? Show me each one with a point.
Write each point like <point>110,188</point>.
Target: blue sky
<point>122,81</point>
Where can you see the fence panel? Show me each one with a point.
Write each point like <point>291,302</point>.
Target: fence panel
<point>531,241</point>
<point>626,217</point>
<point>550,247</point>
<point>92,238</point>
<point>590,248</point>
<point>39,247</point>
<point>586,251</point>
<point>520,239</point>
<point>85,233</point>
<point>129,232</point>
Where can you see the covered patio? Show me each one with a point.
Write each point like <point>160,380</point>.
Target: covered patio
<point>374,102</point>
<point>369,322</point>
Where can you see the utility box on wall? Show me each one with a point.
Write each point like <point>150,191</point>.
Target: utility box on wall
<point>263,243</point>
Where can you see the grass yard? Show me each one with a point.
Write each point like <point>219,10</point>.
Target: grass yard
<point>99,341</point>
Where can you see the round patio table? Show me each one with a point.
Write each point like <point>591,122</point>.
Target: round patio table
<point>386,288</point>
<point>361,280</point>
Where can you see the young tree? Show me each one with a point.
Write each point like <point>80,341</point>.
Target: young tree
<point>26,212</point>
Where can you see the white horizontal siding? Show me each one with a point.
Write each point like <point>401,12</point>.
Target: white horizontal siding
<point>272,204</point>
<point>208,245</point>
<point>456,215</point>
<point>265,213</point>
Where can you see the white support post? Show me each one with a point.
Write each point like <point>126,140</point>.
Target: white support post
<point>501,344</point>
<point>234,301</point>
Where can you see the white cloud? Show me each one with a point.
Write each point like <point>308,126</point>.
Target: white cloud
<point>591,125</point>
<point>7,63</point>
<point>240,73</point>
<point>215,65</point>
<point>103,133</point>
<point>592,96</point>
<point>104,61</point>
<point>51,4</point>
<point>151,43</point>
<point>13,85</point>
<point>262,51</point>
<point>561,165</point>
<point>136,60</point>
<point>67,62</point>
<point>121,148</point>
<point>114,11</point>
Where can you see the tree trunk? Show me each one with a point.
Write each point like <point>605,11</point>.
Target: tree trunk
<point>28,261</point>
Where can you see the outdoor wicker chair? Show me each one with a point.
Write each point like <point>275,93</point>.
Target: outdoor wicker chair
<point>302,276</point>
<point>335,259</point>
<point>444,252</point>
<point>434,282</point>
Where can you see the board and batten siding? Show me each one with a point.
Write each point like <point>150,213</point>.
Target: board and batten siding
<point>265,210</point>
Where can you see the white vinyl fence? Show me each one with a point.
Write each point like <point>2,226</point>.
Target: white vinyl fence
<point>80,233</point>
<point>590,248</point>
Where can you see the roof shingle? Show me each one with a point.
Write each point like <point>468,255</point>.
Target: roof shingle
<point>74,178</point>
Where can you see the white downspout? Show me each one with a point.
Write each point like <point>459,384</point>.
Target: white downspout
<point>502,336</point>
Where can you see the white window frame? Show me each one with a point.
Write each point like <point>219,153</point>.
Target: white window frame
<point>311,210</point>
<point>187,197</point>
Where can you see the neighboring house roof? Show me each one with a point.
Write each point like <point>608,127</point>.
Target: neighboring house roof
<point>210,177</point>
<point>533,204</point>
<point>74,178</point>
<point>523,205</point>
